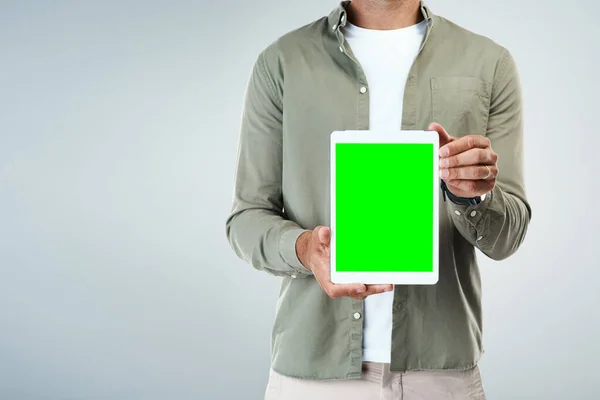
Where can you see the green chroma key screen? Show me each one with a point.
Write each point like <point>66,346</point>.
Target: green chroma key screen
<point>384,207</point>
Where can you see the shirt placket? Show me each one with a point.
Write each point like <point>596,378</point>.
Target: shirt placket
<point>400,307</point>
<point>409,117</point>
<point>361,123</point>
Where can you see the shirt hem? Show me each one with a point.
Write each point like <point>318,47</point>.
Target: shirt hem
<point>359,375</point>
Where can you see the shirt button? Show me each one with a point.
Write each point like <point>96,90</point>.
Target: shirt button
<point>341,49</point>
<point>473,213</point>
<point>356,315</point>
<point>293,276</point>
<point>333,27</point>
<point>343,18</point>
<point>479,238</point>
<point>456,212</point>
<point>363,89</point>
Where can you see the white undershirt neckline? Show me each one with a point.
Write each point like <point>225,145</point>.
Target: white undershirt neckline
<point>352,31</point>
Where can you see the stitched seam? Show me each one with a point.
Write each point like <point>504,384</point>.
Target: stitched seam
<point>503,222</point>
<point>462,89</point>
<point>270,84</point>
<point>463,368</point>
<point>497,238</point>
<point>458,90</point>
<point>317,377</point>
<point>500,70</point>
<point>486,118</point>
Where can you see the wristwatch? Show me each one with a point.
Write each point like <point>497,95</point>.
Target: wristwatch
<point>458,200</point>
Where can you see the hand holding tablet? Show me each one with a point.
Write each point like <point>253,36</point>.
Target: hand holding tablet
<point>384,207</point>
<point>313,249</point>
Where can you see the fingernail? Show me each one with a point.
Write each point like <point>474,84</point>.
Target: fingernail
<point>444,162</point>
<point>444,152</point>
<point>444,173</point>
<point>360,290</point>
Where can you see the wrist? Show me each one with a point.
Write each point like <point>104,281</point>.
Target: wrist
<point>446,193</point>
<point>302,248</point>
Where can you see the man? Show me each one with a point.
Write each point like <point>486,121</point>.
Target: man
<point>374,64</point>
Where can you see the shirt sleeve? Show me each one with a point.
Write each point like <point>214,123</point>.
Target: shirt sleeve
<point>497,226</point>
<point>257,228</point>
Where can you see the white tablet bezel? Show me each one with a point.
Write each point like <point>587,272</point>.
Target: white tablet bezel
<point>397,278</point>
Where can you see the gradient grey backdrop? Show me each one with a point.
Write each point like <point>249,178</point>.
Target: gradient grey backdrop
<point>118,137</point>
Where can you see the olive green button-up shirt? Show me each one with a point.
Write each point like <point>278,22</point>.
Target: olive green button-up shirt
<point>306,85</point>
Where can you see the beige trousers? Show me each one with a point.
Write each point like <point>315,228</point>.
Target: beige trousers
<point>378,383</point>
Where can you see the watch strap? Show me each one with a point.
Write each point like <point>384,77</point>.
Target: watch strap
<point>458,200</point>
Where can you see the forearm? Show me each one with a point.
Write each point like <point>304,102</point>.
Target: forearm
<point>497,226</point>
<point>266,240</point>
<point>257,228</point>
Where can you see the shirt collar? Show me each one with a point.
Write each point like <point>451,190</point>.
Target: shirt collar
<point>338,16</point>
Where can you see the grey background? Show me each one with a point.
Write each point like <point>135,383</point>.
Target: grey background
<point>118,139</point>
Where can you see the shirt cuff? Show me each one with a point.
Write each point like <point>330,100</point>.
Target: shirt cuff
<point>287,249</point>
<point>472,214</point>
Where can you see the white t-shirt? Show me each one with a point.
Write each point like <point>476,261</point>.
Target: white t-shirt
<point>386,57</point>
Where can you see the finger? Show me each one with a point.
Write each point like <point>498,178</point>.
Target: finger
<point>470,157</point>
<point>344,289</point>
<point>445,138</point>
<point>374,289</point>
<point>334,290</point>
<point>463,144</point>
<point>472,172</point>
<point>472,188</point>
<point>324,235</point>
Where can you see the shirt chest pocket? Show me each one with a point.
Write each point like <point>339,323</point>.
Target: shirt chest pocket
<point>460,104</point>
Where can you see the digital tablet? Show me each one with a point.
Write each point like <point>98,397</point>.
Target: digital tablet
<point>384,207</point>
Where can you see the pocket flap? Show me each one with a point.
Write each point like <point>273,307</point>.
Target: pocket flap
<point>462,83</point>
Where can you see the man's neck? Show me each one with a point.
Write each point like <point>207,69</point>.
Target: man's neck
<point>384,14</point>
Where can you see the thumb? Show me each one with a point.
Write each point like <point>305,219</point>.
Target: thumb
<point>324,235</point>
<point>444,137</point>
